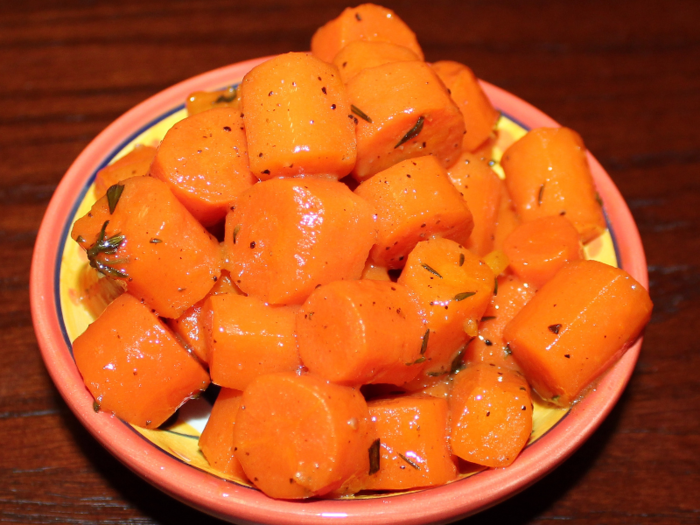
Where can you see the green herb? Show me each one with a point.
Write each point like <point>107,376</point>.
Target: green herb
<point>463,295</point>
<point>436,374</point>
<point>457,362</point>
<point>412,133</point>
<point>155,240</point>
<point>374,457</point>
<point>106,247</point>
<point>539,195</point>
<point>554,328</point>
<point>495,286</point>
<point>80,239</point>
<point>431,270</point>
<point>461,259</point>
<point>227,98</point>
<point>556,398</point>
<point>418,361</point>
<point>598,199</point>
<point>95,406</point>
<point>424,344</point>
<point>113,195</point>
<point>487,318</point>
<point>236,231</point>
<point>414,465</point>
<point>357,111</point>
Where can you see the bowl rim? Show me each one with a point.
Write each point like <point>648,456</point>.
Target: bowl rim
<point>229,501</point>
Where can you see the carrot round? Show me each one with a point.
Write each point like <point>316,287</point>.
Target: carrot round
<point>134,367</point>
<point>359,55</point>
<point>136,163</point>
<point>576,326</point>
<point>360,332</point>
<point>299,436</point>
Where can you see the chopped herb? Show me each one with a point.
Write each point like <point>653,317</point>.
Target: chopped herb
<point>412,133</point>
<point>236,231</point>
<point>436,374</point>
<point>227,98</point>
<point>556,398</point>
<point>431,270</point>
<point>461,259</point>
<point>374,457</point>
<point>80,239</point>
<point>107,247</point>
<point>424,344</point>
<point>113,194</point>
<point>495,286</point>
<point>539,195</point>
<point>155,240</point>
<point>554,328</point>
<point>487,318</point>
<point>418,361</point>
<point>463,295</point>
<point>414,465</point>
<point>357,111</point>
<point>457,362</point>
<point>598,199</point>
<point>95,406</point>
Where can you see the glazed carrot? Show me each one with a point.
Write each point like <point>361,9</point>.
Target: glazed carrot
<point>576,326</point>
<point>407,113</point>
<point>413,434</point>
<point>248,338</point>
<point>491,414</point>
<point>300,436</point>
<point>480,117</point>
<point>497,260</point>
<point>547,173</point>
<point>203,100</point>
<point>152,243</point>
<point>204,161</point>
<point>216,441</point>
<point>136,163</point>
<point>539,248</point>
<point>454,287</point>
<point>482,190</point>
<point>287,236</point>
<point>360,332</point>
<point>511,295</point>
<point>506,219</point>
<point>375,273</point>
<point>368,22</point>
<point>134,367</point>
<point>415,200</point>
<point>297,118</point>
<point>359,55</point>
<point>96,291</point>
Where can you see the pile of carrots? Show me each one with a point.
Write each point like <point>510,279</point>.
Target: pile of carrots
<point>329,245</point>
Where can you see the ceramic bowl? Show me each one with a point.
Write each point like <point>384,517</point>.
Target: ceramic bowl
<point>169,458</point>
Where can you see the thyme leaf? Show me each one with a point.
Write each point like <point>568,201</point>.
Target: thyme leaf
<point>113,194</point>
<point>374,456</point>
<point>107,247</point>
<point>424,344</point>
<point>495,286</point>
<point>463,295</point>
<point>554,328</point>
<point>236,231</point>
<point>227,98</point>
<point>539,195</point>
<point>413,464</point>
<point>461,259</point>
<point>413,132</point>
<point>431,270</point>
<point>357,111</point>
<point>457,362</point>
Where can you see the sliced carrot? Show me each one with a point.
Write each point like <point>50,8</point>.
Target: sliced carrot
<point>576,326</point>
<point>491,414</point>
<point>368,22</point>
<point>204,161</point>
<point>152,243</point>
<point>297,118</point>
<point>136,163</point>
<point>413,434</point>
<point>537,249</point>
<point>407,113</point>
<point>415,200</point>
<point>359,55</point>
<point>200,101</point>
<point>360,332</point>
<point>299,436</point>
<point>480,117</point>
<point>216,441</point>
<point>506,219</point>
<point>134,367</point>
<point>547,173</point>
<point>287,236</point>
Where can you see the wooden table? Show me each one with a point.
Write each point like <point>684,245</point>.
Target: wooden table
<point>625,74</point>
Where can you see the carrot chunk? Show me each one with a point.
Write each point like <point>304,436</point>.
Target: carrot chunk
<point>200,101</point>
<point>360,332</point>
<point>506,219</point>
<point>480,117</point>
<point>409,114</point>
<point>359,55</point>
<point>413,434</point>
<point>576,326</point>
<point>143,236</point>
<point>204,161</point>
<point>134,367</point>
<point>296,118</point>
<point>286,236</point>
<point>415,200</point>
<point>248,338</point>
<point>547,173</point>
<point>299,436</point>
<point>136,163</point>
<point>367,22</point>
<point>491,414</point>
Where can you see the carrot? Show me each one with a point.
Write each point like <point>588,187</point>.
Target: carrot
<point>297,118</point>
<point>415,200</point>
<point>454,287</point>
<point>480,117</point>
<point>367,22</point>
<point>404,112</point>
<point>576,326</point>
<point>547,173</point>
<point>482,190</point>
<point>287,236</point>
<point>299,436</point>
<point>136,163</point>
<point>134,367</point>
<point>491,414</point>
<point>247,338</point>
<point>97,291</point>
<point>359,55</point>
<point>200,101</point>
<point>375,273</point>
<point>152,243</point>
<point>413,434</point>
<point>539,248</point>
<point>360,332</point>
<point>506,219</point>
<point>216,441</point>
<point>204,161</point>
<point>511,295</point>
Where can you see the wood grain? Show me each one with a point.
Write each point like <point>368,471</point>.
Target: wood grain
<point>625,74</point>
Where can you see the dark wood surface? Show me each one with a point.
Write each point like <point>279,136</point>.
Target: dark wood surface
<point>625,74</point>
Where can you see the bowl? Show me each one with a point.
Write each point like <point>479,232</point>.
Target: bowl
<point>170,459</point>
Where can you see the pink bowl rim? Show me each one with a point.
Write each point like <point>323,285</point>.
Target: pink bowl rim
<point>230,501</point>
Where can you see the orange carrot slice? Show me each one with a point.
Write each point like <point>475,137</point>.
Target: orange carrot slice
<point>359,55</point>
<point>136,163</point>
